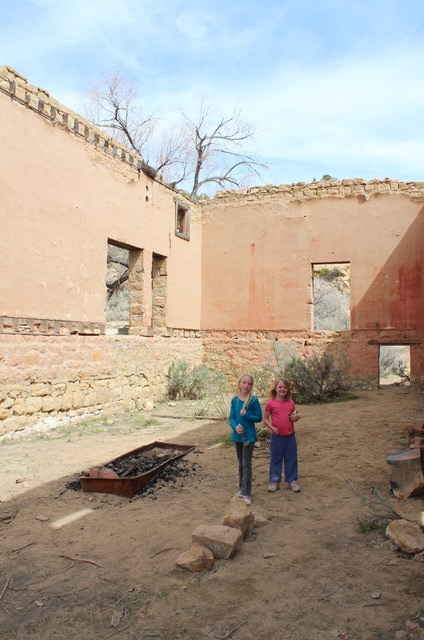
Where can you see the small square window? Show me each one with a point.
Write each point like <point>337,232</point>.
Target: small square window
<point>182,221</point>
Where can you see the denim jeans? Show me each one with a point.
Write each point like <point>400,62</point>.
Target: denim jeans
<point>244,456</point>
<point>283,449</point>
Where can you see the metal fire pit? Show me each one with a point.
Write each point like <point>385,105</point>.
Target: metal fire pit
<point>128,487</point>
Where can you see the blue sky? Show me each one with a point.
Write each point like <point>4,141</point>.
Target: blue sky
<point>335,87</point>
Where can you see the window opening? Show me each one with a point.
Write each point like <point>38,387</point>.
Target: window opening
<point>394,364</point>
<point>182,221</point>
<point>125,288</point>
<point>331,296</point>
<point>159,294</point>
<point>117,289</point>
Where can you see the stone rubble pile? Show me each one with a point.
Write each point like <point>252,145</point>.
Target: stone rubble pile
<point>220,541</point>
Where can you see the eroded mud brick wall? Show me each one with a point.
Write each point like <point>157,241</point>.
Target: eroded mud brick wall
<point>67,191</point>
<point>258,249</point>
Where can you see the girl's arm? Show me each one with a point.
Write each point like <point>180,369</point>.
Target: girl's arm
<point>268,423</point>
<point>254,411</point>
<point>233,416</point>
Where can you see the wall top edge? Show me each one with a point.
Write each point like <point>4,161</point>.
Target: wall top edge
<point>354,187</point>
<point>16,85</point>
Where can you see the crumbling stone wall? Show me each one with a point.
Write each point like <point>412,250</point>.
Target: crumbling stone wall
<point>357,187</point>
<point>45,381</point>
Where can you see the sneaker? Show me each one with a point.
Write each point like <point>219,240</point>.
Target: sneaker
<point>247,500</point>
<point>273,487</point>
<point>294,486</point>
<point>239,494</point>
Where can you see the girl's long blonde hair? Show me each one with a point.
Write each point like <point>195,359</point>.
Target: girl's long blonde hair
<point>249,397</point>
<point>273,392</point>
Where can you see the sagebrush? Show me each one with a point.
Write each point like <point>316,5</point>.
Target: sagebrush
<point>186,381</point>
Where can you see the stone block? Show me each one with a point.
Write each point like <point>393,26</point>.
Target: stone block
<point>19,408</point>
<point>33,405</point>
<point>51,404</point>
<point>197,558</point>
<point>239,516</point>
<point>66,402</point>
<point>407,536</point>
<point>223,541</point>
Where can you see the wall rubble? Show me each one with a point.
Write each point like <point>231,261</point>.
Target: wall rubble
<point>323,189</point>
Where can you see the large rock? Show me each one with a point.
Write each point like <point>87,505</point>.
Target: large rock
<point>239,516</point>
<point>223,541</point>
<point>407,536</point>
<point>197,558</point>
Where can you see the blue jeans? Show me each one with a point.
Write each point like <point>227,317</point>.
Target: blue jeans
<point>244,456</point>
<point>283,448</point>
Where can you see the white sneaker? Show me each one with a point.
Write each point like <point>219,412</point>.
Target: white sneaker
<point>273,487</point>
<point>239,494</point>
<point>294,486</point>
<point>247,500</point>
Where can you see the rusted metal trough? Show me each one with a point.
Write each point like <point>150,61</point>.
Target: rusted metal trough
<point>127,487</point>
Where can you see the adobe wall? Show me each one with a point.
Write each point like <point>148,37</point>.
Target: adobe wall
<point>265,241</point>
<point>243,278</point>
<point>66,189</point>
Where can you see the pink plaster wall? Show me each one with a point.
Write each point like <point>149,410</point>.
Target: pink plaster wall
<point>257,260</point>
<point>60,202</point>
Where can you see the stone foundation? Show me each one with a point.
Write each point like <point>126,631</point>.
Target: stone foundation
<point>48,380</point>
<point>234,352</point>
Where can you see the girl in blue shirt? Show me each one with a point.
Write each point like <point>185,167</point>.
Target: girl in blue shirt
<point>245,411</point>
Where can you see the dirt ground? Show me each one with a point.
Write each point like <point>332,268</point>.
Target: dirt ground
<point>89,566</point>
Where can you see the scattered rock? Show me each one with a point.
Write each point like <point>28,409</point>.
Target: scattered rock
<point>197,558</point>
<point>412,631</point>
<point>269,555</point>
<point>42,518</point>
<point>259,520</point>
<point>407,536</point>
<point>223,541</point>
<point>239,516</point>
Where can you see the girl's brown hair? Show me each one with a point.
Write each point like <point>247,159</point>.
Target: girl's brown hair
<point>249,397</point>
<point>273,392</point>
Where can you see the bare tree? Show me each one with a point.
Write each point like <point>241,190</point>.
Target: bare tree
<point>114,106</point>
<point>215,148</point>
<point>201,151</point>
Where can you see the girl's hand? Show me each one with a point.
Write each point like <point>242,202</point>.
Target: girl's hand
<point>294,416</point>
<point>239,429</point>
<point>273,430</point>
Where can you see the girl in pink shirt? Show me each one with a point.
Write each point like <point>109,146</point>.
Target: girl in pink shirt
<point>279,416</point>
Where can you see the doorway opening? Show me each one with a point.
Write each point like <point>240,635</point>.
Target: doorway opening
<point>394,365</point>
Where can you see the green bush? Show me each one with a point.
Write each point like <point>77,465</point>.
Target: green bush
<point>372,524</point>
<point>187,381</point>
<point>317,378</point>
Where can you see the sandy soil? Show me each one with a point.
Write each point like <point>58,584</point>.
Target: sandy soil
<point>81,565</point>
